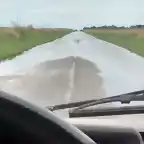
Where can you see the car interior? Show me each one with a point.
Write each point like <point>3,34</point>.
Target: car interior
<point>22,122</point>
<point>106,133</point>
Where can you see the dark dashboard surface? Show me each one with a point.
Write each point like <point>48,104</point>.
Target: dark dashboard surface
<point>111,135</point>
<point>22,122</point>
<point>142,135</point>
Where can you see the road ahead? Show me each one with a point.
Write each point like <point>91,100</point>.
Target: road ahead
<point>73,68</point>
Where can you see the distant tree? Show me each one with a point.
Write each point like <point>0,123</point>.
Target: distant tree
<point>113,27</point>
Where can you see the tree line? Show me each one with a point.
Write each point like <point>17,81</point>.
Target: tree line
<point>114,27</point>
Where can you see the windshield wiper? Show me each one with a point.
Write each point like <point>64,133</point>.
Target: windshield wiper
<point>123,98</point>
<point>68,105</point>
<point>107,111</point>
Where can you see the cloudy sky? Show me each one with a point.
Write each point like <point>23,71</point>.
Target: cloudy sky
<point>71,13</point>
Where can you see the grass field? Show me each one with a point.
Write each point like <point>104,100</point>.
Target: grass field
<point>14,41</point>
<point>128,38</point>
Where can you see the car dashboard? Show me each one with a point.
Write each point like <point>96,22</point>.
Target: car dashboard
<point>106,132</point>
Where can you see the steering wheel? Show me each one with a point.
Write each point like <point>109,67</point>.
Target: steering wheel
<point>23,122</point>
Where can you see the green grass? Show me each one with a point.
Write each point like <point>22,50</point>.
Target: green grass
<point>11,46</point>
<point>127,40</point>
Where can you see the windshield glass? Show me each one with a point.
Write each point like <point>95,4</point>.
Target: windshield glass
<point>60,51</point>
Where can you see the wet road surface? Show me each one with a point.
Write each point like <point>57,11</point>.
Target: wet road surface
<point>73,68</point>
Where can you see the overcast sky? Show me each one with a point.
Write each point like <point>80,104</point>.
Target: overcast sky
<point>72,13</point>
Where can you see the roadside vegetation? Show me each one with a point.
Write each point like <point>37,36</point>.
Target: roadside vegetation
<point>131,38</point>
<point>17,39</point>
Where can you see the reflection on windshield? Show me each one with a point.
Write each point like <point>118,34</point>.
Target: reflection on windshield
<point>67,55</point>
<point>50,80</point>
<point>88,84</point>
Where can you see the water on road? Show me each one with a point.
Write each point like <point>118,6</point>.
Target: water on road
<point>73,68</point>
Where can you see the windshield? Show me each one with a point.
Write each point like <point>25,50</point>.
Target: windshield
<point>61,51</point>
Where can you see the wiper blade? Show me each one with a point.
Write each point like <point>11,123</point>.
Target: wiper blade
<point>107,111</point>
<point>123,98</point>
<point>68,105</point>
